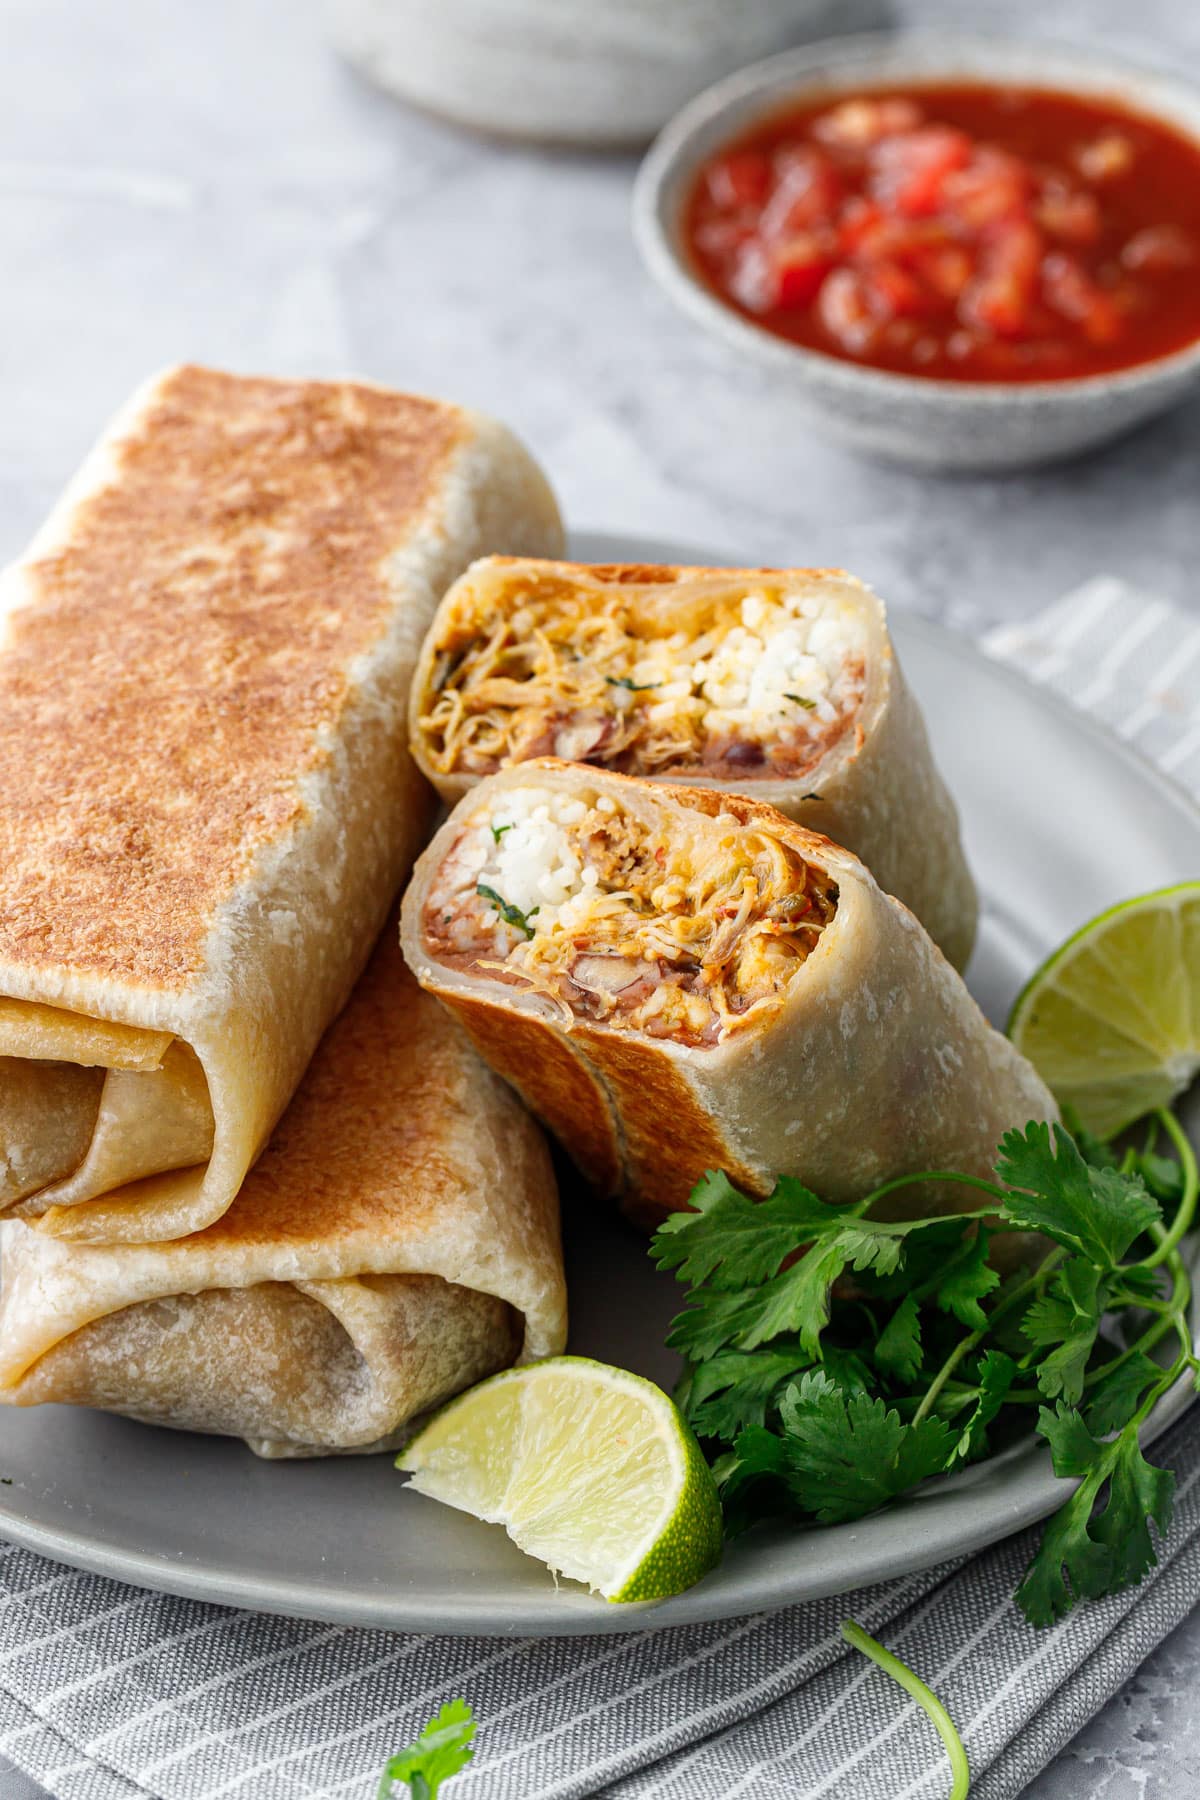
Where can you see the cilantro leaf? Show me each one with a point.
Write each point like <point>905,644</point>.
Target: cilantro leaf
<point>1114,1398</point>
<point>843,1456</point>
<point>1087,1552</point>
<point>731,1240</point>
<point>1139,1493</point>
<point>997,1372</point>
<point>733,1389</point>
<point>512,915</point>
<point>633,687</point>
<point>1066,1316</point>
<point>846,1369</point>
<point>929,1248</point>
<point>1162,1175</point>
<point>1093,1150</point>
<point>1096,1212</point>
<point>968,1280</point>
<point>442,1750</point>
<point>898,1347</point>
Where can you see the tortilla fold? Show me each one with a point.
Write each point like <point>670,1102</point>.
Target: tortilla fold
<point>207,802</point>
<point>779,683</point>
<point>837,1045</point>
<point>397,1240</point>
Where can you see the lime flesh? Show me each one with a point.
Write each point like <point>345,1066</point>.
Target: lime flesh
<point>590,1469</point>
<point>1111,1021</point>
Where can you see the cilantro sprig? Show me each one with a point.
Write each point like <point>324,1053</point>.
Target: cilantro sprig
<point>442,1750</point>
<point>833,1360</point>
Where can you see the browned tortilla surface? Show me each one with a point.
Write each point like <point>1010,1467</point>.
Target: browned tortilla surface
<point>144,761</point>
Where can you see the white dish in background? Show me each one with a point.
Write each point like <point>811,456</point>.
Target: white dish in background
<point>950,425</point>
<point>596,73</point>
<point>1044,795</point>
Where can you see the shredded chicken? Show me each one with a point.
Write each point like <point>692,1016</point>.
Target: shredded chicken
<point>743,684</point>
<point>677,933</point>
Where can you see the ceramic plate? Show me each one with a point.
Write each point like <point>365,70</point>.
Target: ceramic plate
<point>1045,796</point>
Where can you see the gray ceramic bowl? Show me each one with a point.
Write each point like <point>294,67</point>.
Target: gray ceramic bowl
<point>913,419</point>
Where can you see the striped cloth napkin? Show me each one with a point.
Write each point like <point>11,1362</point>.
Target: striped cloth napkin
<point>111,1694</point>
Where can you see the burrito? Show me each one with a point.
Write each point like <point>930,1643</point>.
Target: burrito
<point>397,1240</point>
<point>207,802</point>
<point>677,979</point>
<point>779,683</point>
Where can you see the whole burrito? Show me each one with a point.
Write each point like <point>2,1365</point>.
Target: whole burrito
<point>780,683</point>
<point>206,797</point>
<point>397,1240</point>
<point>677,979</point>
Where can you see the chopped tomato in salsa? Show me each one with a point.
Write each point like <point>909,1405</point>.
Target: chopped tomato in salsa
<point>969,232</point>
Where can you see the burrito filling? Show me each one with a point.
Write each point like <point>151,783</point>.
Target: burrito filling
<point>647,679</point>
<point>687,929</point>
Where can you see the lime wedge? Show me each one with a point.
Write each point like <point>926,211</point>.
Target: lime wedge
<point>1111,1021</point>
<point>587,1467</point>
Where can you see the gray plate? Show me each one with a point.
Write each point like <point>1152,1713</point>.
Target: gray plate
<point>1060,820</point>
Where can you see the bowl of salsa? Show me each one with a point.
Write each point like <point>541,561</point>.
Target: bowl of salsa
<point>962,252</point>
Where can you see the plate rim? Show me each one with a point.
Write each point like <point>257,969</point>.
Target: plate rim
<point>563,1613</point>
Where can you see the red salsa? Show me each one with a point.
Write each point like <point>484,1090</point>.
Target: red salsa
<point>962,231</point>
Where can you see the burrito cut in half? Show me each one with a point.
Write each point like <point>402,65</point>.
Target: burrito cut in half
<point>207,801</point>
<point>779,683</point>
<point>677,979</point>
<point>397,1240</point>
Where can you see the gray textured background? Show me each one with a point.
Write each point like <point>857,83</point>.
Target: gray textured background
<point>205,181</point>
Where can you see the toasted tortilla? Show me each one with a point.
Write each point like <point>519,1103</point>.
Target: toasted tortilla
<point>515,666</point>
<point>206,798</point>
<point>865,1060</point>
<point>397,1240</point>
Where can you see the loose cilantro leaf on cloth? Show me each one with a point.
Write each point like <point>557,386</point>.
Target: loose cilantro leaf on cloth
<point>835,1361</point>
<point>442,1750</point>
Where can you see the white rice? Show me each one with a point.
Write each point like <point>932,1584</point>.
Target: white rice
<point>785,663</point>
<point>522,851</point>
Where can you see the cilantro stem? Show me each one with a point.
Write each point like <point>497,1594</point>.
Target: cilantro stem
<point>966,1345</point>
<point>954,1175</point>
<point>925,1698</point>
<point>1191,1188</point>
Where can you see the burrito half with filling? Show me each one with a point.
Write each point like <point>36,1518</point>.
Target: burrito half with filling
<point>780,683</point>
<point>678,979</point>
<point>207,800</point>
<point>397,1241</point>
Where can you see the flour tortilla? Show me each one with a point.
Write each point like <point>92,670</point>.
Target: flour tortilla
<point>397,1240</point>
<point>206,798</point>
<point>877,1062</point>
